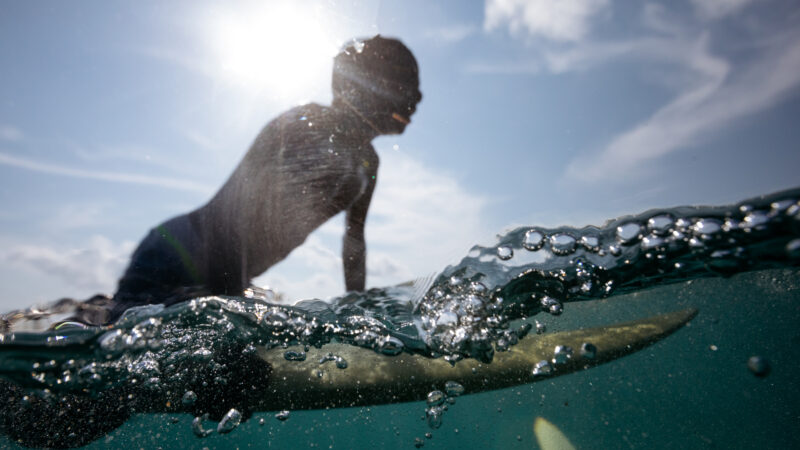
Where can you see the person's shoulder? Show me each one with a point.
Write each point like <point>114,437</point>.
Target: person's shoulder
<point>309,115</point>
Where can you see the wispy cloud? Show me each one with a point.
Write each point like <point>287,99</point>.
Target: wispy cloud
<point>451,34</point>
<point>10,133</point>
<point>564,20</point>
<point>720,93</point>
<point>114,177</point>
<point>715,9</point>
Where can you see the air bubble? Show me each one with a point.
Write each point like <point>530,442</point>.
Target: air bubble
<point>292,355</point>
<point>434,416</point>
<point>231,420</point>
<point>453,389</point>
<point>562,244</point>
<point>533,240</point>
<point>435,398</point>
<point>562,354</point>
<point>189,398</point>
<point>759,366</point>
<point>542,368</point>
<point>588,350</point>
<point>390,345</point>
<point>197,426</point>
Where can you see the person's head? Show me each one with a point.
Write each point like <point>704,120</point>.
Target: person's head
<point>378,78</point>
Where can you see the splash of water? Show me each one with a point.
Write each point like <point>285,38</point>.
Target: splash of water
<point>191,350</point>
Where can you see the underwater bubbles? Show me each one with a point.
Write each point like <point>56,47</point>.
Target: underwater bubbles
<point>231,420</point>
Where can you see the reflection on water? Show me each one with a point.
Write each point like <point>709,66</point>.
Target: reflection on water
<point>200,356</point>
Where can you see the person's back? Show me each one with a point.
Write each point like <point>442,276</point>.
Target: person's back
<point>305,166</point>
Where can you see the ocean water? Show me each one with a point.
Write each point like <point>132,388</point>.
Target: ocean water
<point>159,371</point>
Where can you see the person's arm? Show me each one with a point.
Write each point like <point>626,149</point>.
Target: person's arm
<point>354,249</point>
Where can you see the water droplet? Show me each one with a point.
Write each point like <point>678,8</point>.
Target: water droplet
<point>455,281</point>
<point>781,205</point>
<point>189,398</point>
<point>533,240</point>
<point>341,363</point>
<point>793,249</point>
<point>428,435</point>
<point>395,147</point>
<point>435,398</point>
<point>591,243</point>
<point>261,422</point>
<point>419,443</point>
<point>282,415</point>
<point>390,345</point>
<point>588,350</point>
<point>660,224</point>
<point>562,244</point>
<point>540,327</point>
<point>542,368</point>
<point>551,305</point>
<point>755,220</point>
<point>505,252</point>
<point>651,241</point>
<point>453,388</point>
<point>231,420</point>
<point>292,355</point>
<point>562,354</point>
<point>707,227</point>
<point>759,366</point>
<point>628,232</point>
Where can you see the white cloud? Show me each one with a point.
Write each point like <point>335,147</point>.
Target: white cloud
<point>719,94</point>
<point>93,267</point>
<point>451,34</point>
<point>563,20</point>
<point>128,178</point>
<point>715,9</point>
<point>10,133</point>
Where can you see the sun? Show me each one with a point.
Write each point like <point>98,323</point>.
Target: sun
<point>282,50</point>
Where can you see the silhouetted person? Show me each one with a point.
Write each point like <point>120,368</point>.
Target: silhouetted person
<point>305,166</point>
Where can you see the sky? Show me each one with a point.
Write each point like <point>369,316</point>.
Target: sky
<point>115,116</point>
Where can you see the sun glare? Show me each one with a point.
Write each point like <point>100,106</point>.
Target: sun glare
<point>283,51</point>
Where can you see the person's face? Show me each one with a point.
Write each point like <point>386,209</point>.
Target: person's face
<point>392,109</point>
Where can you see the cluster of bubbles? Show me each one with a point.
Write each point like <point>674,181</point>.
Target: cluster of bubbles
<point>186,352</point>
<point>467,311</point>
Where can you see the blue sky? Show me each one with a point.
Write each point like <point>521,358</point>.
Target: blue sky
<point>115,116</point>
